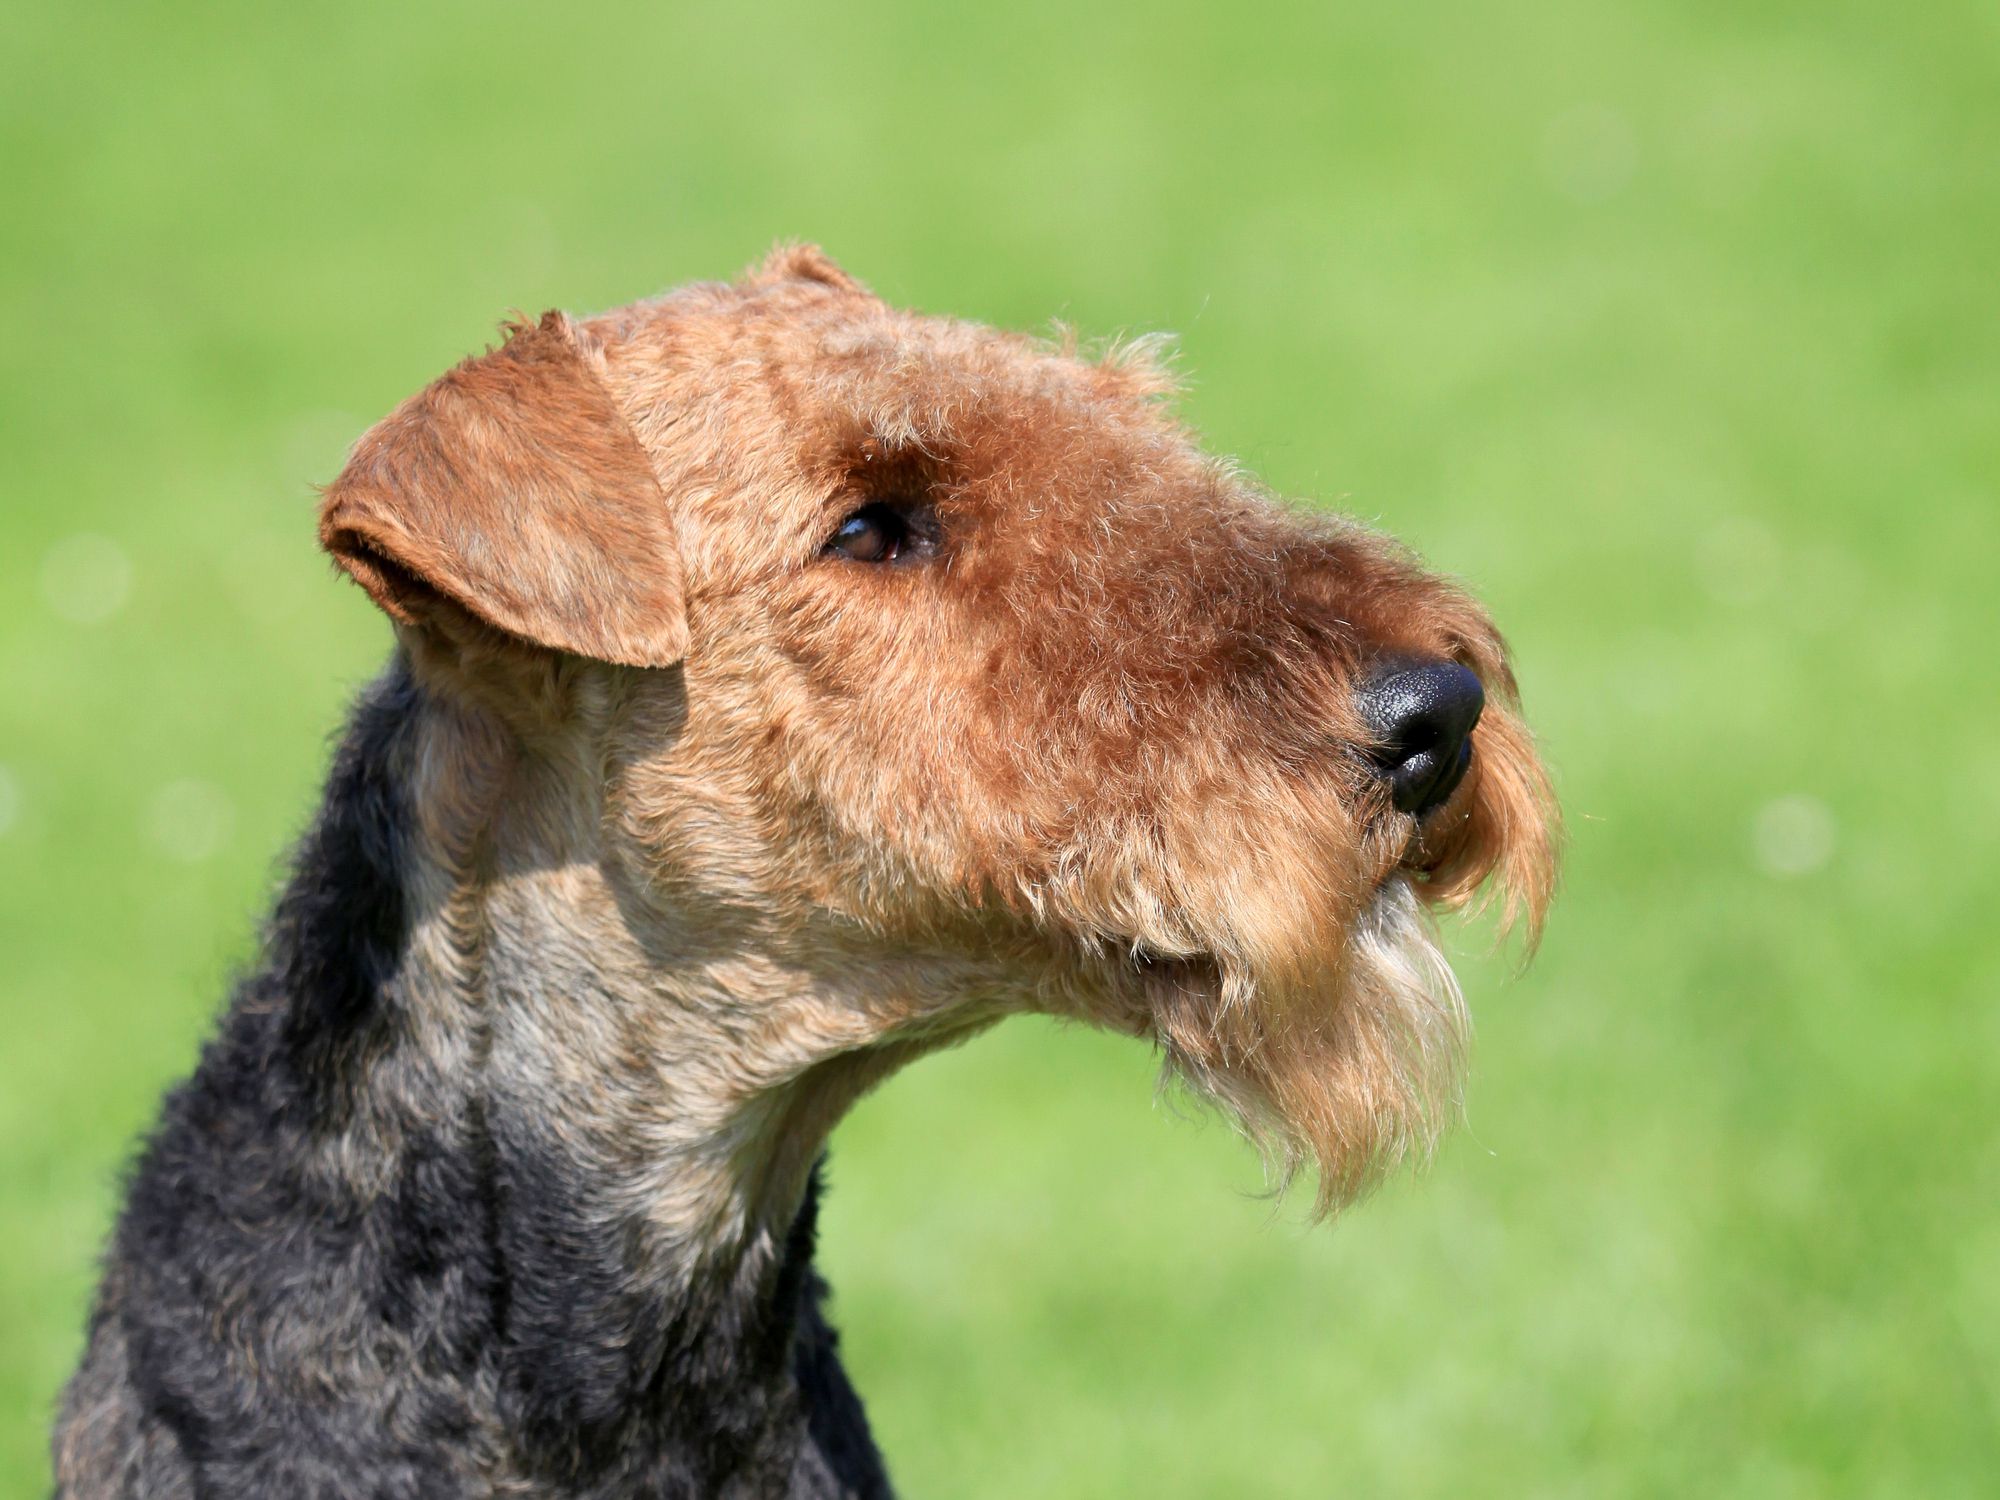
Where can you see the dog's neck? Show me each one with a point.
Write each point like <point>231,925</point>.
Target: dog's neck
<point>687,1069</point>
<point>465,966</point>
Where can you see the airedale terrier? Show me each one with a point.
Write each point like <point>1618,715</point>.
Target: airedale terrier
<point>785,686</point>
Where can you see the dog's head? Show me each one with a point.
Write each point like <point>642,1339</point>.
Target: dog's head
<point>939,669</point>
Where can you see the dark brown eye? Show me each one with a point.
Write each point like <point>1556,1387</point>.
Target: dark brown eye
<point>882,533</point>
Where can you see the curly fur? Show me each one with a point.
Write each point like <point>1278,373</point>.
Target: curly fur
<point>668,834</point>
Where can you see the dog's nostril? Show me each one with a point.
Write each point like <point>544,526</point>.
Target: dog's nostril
<point>1422,717</point>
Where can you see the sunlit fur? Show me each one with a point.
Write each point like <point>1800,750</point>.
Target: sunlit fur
<point>1115,717</point>
<point>668,834</point>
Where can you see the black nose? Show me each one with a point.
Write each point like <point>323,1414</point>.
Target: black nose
<point>1422,717</point>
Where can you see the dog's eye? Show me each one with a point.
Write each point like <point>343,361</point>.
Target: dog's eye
<point>882,533</point>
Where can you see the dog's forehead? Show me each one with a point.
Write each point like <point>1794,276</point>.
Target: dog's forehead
<point>830,366</point>
<point>764,405</point>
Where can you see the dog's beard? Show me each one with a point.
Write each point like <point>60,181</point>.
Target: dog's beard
<point>1281,931</point>
<point>1350,1071</point>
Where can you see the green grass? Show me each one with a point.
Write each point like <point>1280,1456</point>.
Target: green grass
<point>1672,327</point>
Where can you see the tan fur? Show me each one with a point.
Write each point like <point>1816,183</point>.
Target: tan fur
<point>735,828</point>
<point>511,490</point>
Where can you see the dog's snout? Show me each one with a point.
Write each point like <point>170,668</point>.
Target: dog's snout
<point>1422,716</point>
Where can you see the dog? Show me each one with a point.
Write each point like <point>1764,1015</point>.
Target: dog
<point>785,686</point>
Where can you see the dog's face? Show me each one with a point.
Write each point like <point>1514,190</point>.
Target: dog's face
<point>942,667</point>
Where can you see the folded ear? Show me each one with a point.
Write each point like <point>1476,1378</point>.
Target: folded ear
<point>513,489</point>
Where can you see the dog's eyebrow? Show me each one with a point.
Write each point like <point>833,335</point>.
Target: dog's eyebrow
<point>876,470</point>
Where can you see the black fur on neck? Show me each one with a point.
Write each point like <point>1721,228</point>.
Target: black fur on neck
<point>343,1269</point>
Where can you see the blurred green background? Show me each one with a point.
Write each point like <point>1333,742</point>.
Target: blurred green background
<point>1671,327</point>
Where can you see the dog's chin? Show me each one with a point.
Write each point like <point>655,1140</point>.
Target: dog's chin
<point>1348,1070</point>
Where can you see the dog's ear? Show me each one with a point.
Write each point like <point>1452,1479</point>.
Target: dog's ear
<point>514,490</point>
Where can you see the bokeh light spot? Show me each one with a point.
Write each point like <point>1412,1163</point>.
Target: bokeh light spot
<point>1793,835</point>
<point>1739,560</point>
<point>86,578</point>
<point>191,821</point>
<point>1589,153</point>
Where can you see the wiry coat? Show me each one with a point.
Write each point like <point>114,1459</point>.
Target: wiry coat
<point>787,686</point>
<point>450,1321</point>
